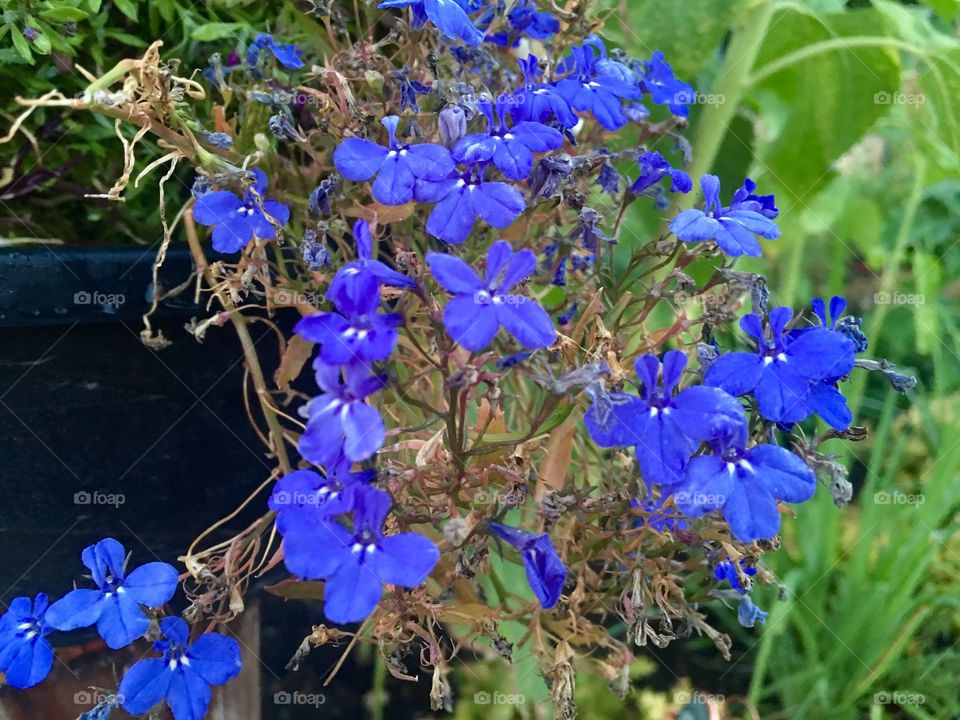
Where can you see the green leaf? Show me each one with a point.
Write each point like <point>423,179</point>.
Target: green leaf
<point>669,26</point>
<point>127,38</point>
<point>835,95</point>
<point>215,31</point>
<point>21,44</point>
<point>63,14</point>
<point>41,44</point>
<point>127,7</point>
<point>94,6</point>
<point>947,9</point>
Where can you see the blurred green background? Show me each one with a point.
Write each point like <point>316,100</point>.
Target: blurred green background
<point>849,112</point>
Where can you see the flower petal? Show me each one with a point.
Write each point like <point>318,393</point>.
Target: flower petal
<point>405,559</point>
<point>77,609</point>
<point>352,593</point>
<point>471,324</point>
<point>144,685</point>
<point>357,159</point>
<point>453,274</point>
<point>527,322</point>
<point>152,584</point>
<point>215,658</point>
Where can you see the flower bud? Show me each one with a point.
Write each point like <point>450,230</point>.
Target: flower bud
<point>453,125</point>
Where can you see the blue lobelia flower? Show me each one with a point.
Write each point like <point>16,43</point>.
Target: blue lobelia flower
<point>666,429</point>
<point>599,84</point>
<point>480,306</point>
<point>511,150</point>
<point>287,55</point>
<point>339,420</point>
<point>450,16</point>
<point>25,655</point>
<point>306,497</point>
<point>732,227</point>
<point>183,676</point>
<point>546,572</point>
<point>784,370</point>
<point>360,332</point>
<point>540,102</point>
<point>236,220</point>
<point>525,18</point>
<point>462,198</point>
<point>746,484</point>
<point>351,278</point>
<point>356,563</point>
<point>727,570</point>
<point>663,86</point>
<point>397,167</point>
<point>115,605</point>
<point>749,614</point>
<point>653,168</point>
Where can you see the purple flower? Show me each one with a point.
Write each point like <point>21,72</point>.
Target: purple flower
<point>286,55</point>
<point>462,198</point>
<point>360,332</point>
<point>666,429</point>
<point>397,167</point>
<point>115,605</point>
<point>599,84</point>
<point>545,570</point>
<point>732,227</point>
<point>540,102</point>
<point>525,18</point>
<point>450,17</point>
<point>237,220</point>
<point>746,485</point>
<point>25,655</point>
<point>749,614</point>
<point>653,168</point>
<point>784,371</point>
<point>352,280</point>
<point>183,676</point>
<point>480,306</point>
<point>511,150</point>
<point>664,88</point>
<point>339,421</point>
<point>356,563</point>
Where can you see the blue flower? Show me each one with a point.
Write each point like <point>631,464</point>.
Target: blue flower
<point>749,614</point>
<point>397,167</point>
<point>511,150</point>
<point>526,19</point>
<point>25,655</point>
<point>450,16</point>
<point>653,168</point>
<point>666,429</point>
<point>356,563</point>
<point>784,371</point>
<point>305,497</point>
<point>360,332</point>
<point>353,278</point>
<point>462,198</point>
<point>115,605</point>
<point>664,88</point>
<point>237,220</point>
<point>727,570</point>
<point>746,484</point>
<point>409,89</point>
<point>339,421</point>
<point>183,676</point>
<point>546,572</point>
<point>286,55</point>
<point>658,519</point>
<point>732,227</point>
<point>846,325</point>
<point>480,306</point>
<point>599,84</point>
<point>539,102</point>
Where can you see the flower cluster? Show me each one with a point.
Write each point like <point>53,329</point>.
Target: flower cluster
<point>119,607</point>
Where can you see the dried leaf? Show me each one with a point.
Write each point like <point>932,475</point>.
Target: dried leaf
<point>291,364</point>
